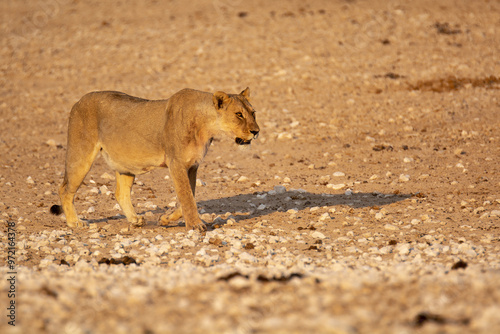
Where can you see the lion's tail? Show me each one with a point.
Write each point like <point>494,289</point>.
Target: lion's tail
<point>56,209</point>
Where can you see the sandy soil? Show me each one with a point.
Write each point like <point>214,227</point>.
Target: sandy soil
<point>369,204</point>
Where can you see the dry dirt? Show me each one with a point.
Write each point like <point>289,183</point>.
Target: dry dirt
<point>379,118</point>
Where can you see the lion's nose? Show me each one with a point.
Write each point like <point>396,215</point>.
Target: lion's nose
<point>255,134</point>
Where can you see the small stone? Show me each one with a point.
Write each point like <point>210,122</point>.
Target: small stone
<point>261,207</point>
<point>200,183</point>
<point>402,249</point>
<point>239,282</point>
<point>104,190</point>
<point>242,179</point>
<point>324,179</point>
<point>51,142</point>
<point>206,217</point>
<point>107,176</point>
<point>280,189</point>
<point>404,178</point>
<point>495,213</point>
<point>284,136</point>
<point>338,174</point>
<point>390,227</point>
<point>150,205</point>
<point>245,257</point>
<point>379,215</point>
<point>29,180</point>
<point>336,186</point>
<point>318,235</point>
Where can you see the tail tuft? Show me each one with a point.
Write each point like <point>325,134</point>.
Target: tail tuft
<point>56,210</point>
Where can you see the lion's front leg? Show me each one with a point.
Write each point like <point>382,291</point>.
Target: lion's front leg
<point>177,214</point>
<point>184,184</point>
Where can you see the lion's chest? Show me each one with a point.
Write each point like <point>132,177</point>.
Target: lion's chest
<point>194,153</point>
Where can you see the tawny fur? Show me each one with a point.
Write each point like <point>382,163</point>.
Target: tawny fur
<point>135,135</point>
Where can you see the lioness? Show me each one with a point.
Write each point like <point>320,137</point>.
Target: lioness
<point>136,135</point>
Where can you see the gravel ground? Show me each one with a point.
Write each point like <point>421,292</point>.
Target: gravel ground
<point>369,204</point>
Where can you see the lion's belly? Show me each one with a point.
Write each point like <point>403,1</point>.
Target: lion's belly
<point>135,164</point>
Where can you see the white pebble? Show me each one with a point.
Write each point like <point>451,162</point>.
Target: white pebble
<point>338,174</point>
<point>404,178</point>
<point>391,227</point>
<point>336,186</point>
<point>284,136</point>
<point>318,235</point>
<point>51,142</point>
<point>239,282</point>
<point>402,249</point>
<point>107,176</point>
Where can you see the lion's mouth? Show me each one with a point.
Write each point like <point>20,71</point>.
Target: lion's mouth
<point>241,141</point>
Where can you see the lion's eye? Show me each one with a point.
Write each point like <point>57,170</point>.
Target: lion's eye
<point>239,115</point>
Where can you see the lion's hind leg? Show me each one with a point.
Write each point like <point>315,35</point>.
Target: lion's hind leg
<point>124,184</point>
<point>167,219</point>
<point>79,160</point>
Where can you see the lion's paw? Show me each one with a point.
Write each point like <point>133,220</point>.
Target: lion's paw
<point>139,222</point>
<point>77,223</point>
<point>200,227</point>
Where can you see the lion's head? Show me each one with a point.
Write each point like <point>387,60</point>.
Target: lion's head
<point>237,116</point>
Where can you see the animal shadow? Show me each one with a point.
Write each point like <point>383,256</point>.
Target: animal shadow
<point>262,204</point>
<point>259,204</point>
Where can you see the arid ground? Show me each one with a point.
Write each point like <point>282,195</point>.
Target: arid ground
<point>370,203</point>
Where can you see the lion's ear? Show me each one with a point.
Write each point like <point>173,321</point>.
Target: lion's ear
<point>220,100</point>
<point>246,93</point>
